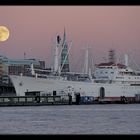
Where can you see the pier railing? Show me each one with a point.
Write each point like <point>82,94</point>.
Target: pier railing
<point>36,100</point>
<point>32,100</point>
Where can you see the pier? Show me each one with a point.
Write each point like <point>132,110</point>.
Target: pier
<point>32,100</point>
<point>53,100</point>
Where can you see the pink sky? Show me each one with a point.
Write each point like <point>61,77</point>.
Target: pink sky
<point>102,27</point>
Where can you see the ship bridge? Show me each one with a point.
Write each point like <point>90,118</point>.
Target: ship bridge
<point>111,72</point>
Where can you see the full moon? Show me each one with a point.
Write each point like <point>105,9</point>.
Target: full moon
<point>4,33</point>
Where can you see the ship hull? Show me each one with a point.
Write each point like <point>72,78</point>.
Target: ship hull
<point>109,90</point>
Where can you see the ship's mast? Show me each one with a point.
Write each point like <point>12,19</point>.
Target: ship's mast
<point>86,64</point>
<point>32,69</point>
<point>63,65</point>
<point>56,61</point>
<point>126,59</point>
<point>86,61</point>
<point>87,70</point>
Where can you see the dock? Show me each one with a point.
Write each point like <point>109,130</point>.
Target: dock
<point>32,100</point>
<point>53,100</point>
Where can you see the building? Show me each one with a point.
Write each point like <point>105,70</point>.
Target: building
<point>17,66</point>
<point>65,55</point>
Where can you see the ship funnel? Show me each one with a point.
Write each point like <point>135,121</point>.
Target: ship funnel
<point>126,59</point>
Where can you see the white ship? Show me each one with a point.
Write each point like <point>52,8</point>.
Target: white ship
<point>111,81</point>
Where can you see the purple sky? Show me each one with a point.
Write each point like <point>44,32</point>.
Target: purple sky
<point>102,27</point>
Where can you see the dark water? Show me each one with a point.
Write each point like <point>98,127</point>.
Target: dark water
<point>71,119</point>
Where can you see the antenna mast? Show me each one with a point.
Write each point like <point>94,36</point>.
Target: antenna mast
<point>112,56</point>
